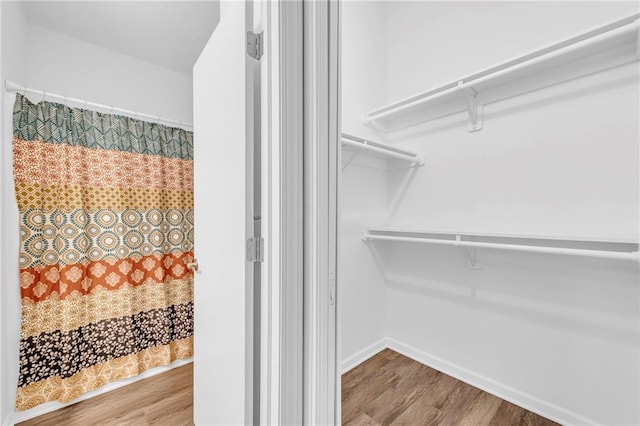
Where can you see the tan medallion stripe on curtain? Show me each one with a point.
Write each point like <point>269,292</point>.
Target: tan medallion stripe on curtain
<point>106,209</point>
<point>51,197</point>
<point>86,235</point>
<point>69,314</point>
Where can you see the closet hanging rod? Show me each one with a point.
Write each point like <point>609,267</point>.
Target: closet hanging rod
<point>604,254</point>
<point>11,86</point>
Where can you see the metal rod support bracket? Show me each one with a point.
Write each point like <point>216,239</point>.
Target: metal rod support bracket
<point>471,254</point>
<point>473,108</point>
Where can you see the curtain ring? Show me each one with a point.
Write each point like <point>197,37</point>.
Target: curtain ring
<point>111,110</point>
<point>44,96</point>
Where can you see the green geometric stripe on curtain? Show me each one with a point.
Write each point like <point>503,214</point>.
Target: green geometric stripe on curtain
<point>57,123</point>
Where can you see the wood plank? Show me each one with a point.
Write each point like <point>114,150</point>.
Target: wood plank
<point>395,400</point>
<point>426,409</point>
<point>418,414</point>
<point>458,402</point>
<point>403,366</point>
<point>439,391</point>
<point>176,410</point>
<point>362,420</point>
<point>366,390</point>
<point>136,418</point>
<point>509,413</point>
<point>365,382</point>
<point>352,377</point>
<point>481,410</point>
<point>533,419</point>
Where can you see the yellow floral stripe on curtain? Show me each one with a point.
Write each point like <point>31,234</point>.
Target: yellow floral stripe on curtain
<point>96,376</point>
<point>70,314</point>
<point>52,197</point>
<point>106,230</point>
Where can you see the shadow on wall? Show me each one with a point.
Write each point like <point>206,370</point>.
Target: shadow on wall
<point>596,297</point>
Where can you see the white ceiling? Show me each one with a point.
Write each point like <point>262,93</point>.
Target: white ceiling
<point>166,33</point>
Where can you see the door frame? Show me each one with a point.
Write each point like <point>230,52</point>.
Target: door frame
<point>281,372</point>
<point>321,175</point>
<point>300,141</point>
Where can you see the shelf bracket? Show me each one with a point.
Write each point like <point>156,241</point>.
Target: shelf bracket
<point>473,108</point>
<point>353,157</point>
<point>471,254</point>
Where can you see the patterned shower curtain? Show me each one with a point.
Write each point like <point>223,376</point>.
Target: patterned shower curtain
<point>106,233</point>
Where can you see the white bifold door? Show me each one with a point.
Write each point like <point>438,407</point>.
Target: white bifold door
<point>225,79</point>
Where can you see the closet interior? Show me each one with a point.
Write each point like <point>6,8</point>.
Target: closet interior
<point>489,198</point>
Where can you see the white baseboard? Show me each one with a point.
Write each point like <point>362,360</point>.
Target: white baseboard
<point>363,355</point>
<point>52,406</point>
<point>501,390</point>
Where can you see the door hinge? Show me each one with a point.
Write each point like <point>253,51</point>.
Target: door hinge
<point>255,249</point>
<point>255,44</point>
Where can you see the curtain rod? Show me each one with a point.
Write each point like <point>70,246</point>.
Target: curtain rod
<point>11,86</point>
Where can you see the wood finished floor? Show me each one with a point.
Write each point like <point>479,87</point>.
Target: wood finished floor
<point>387,389</point>
<point>165,399</point>
<point>391,389</point>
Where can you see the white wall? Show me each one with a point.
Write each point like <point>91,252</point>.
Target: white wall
<point>50,61</point>
<point>493,177</point>
<point>14,66</point>
<point>558,335</point>
<point>444,40</point>
<point>61,64</point>
<point>363,193</point>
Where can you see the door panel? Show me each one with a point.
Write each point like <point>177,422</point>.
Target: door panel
<point>223,164</point>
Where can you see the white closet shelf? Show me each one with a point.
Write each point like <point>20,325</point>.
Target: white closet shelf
<point>614,247</point>
<point>613,44</point>
<point>357,144</point>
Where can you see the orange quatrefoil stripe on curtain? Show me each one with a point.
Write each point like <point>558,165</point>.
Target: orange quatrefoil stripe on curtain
<point>106,233</point>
